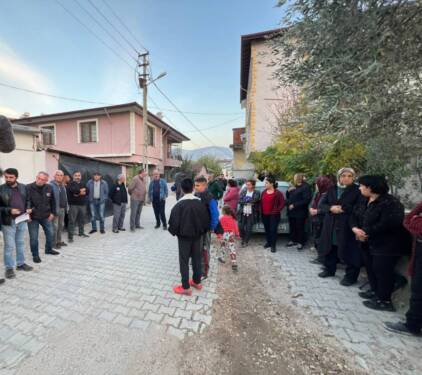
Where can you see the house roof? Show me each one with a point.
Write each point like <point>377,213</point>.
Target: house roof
<point>127,107</point>
<point>61,152</point>
<point>245,56</point>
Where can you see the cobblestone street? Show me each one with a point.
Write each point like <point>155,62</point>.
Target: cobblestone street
<point>122,279</point>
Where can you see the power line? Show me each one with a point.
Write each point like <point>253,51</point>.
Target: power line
<point>114,27</point>
<point>217,126</point>
<point>104,28</point>
<point>182,114</point>
<point>124,25</point>
<point>94,34</point>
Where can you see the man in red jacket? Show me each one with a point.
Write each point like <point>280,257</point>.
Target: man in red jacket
<point>413,323</point>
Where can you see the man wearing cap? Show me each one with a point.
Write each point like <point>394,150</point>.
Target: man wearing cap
<point>97,197</point>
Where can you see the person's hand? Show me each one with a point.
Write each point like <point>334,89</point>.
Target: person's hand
<point>15,211</point>
<point>336,209</point>
<point>360,234</point>
<point>291,207</point>
<point>29,211</point>
<point>51,217</point>
<point>313,211</point>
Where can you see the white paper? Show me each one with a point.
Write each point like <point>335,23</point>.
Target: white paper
<point>21,218</point>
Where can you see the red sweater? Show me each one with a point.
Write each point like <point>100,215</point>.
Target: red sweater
<point>229,224</point>
<point>413,223</point>
<point>272,204</point>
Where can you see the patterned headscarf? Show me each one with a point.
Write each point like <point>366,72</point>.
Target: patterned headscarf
<point>342,171</point>
<point>323,183</point>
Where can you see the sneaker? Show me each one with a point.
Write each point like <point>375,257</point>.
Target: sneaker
<point>115,231</point>
<point>24,267</point>
<point>325,274</point>
<point>52,252</point>
<point>157,226</point>
<point>90,232</point>
<point>299,247</point>
<point>234,267</point>
<point>63,244</point>
<point>70,240</point>
<point>376,304</point>
<point>84,235</point>
<point>291,244</point>
<point>221,260</point>
<point>2,281</point>
<point>102,231</point>
<point>347,282</point>
<point>180,290</point>
<point>122,229</point>
<point>368,294</point>
<point>36,259</point>
<point>194,285</point>
<point>401,328</point>
<point>10,274</point>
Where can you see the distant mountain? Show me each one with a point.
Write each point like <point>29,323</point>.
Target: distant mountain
<point>220,153</point>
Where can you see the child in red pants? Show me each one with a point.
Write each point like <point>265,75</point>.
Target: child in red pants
<point>230,230</point>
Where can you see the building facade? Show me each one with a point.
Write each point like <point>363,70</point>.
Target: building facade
<point>260,93</point>
<point>113,133</point>
<point>241,167</point>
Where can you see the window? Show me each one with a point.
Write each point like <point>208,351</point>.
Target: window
<point>151,136</point>
<point>88,131</point>
<point>48,133</point>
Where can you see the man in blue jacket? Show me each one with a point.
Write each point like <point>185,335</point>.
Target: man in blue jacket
<point>60,196</point>
<point>97,196</point>
<point>201,185</point>
<point>158,193</point>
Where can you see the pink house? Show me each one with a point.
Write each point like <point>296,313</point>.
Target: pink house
<point>113,133</point>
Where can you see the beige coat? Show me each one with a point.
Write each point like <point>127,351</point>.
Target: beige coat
<point>137,189</point>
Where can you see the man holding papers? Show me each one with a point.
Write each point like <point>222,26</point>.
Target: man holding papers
<point>12,216</point>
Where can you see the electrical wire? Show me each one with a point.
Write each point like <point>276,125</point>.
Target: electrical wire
<point>94,34</point>
<point>216,126</point>
<point>124,25</point>
<point>105,29</point>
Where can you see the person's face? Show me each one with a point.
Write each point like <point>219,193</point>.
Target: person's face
<point>249,186</point>
<point>97,177</point>
<point>156,175</point>
<point>66,179</point>
<point>365,191</point>
<point>77,177</point>
<point>58,177</point>
<point>122,179</point>
<point>143,174</point>
<point>200,187</point>
<point>346,179</point>
<point>41,180</point>
<point>10,179</point>
<point>268,185</point>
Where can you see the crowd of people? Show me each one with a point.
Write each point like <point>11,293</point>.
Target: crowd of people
<point>348,220</point>
<point>351,221</point>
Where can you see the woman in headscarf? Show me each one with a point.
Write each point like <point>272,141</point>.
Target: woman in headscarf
<point>337,239</point>
<point>298,198</point>
<point>322,185</point>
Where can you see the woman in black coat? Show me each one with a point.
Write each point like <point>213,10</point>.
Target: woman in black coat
<point>337,239</point>
<point>298,198</point>
<point>118,196</point>
<point>377,223</point>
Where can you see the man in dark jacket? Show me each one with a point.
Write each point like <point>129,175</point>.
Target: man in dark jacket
<point>189,220</point>
<point>215,188</point>
<point>76,196</point>
<point>13,204</point>
<point>41,206</point>
<point>298,198</point>
<point>60,197</point>
<point>118,195</point>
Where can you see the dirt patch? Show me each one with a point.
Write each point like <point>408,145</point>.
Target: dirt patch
<point>257,330</point>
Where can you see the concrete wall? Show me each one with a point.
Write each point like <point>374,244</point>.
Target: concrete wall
<point>241,168</point>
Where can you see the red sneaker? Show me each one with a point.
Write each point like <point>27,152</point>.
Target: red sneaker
<point>180,290</point>
<point>196,286</point>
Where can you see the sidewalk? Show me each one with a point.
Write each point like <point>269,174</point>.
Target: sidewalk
<point>123,280</point>
<point>342,315</point>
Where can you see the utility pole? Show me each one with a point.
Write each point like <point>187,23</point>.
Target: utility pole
<point>143,83</point>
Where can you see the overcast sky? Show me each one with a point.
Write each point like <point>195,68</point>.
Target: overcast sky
<point>197,42</point>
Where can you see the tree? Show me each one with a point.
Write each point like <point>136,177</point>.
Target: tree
<point>211,163</point>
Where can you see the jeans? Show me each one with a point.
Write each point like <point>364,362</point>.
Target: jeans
<point>246,224</point>
<point>159,206</point>
<point>33,227</point>
<point>135,213</point>
<point>297,230</point>
<point>97,213</point>
<point>58,224</point>
<point>13,237</point>
<point>414,314</point>
<point>77,214</point>
<point>271,228</point>
<point>119,213</point>
<point>190,248</point>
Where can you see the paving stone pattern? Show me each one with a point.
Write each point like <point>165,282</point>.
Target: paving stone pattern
<point>341,312</point>
<point>125,279</point>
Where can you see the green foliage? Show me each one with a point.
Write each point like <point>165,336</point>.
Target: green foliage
<point>211,163</point>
